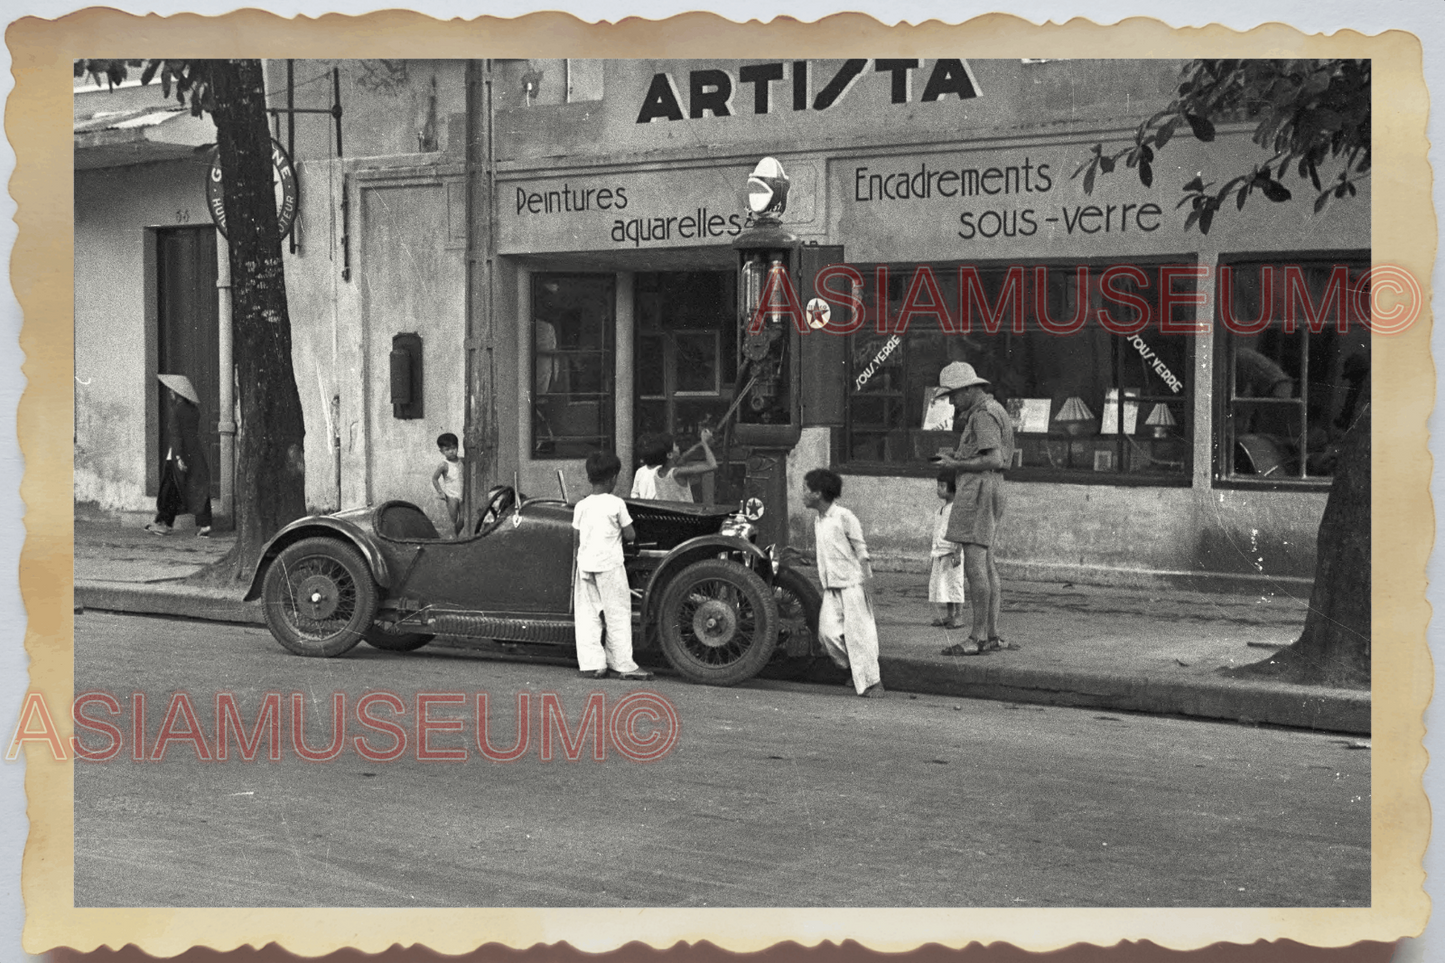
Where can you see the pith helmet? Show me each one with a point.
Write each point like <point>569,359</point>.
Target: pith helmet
<point>958,375</point>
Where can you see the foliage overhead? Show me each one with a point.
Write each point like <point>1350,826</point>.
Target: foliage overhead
<point>189,78</point>
<point>1307,112</point>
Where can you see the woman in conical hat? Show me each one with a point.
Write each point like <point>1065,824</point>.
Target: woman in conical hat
<point>186,478</point>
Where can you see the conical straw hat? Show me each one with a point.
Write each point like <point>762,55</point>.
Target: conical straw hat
<point>181,385</point>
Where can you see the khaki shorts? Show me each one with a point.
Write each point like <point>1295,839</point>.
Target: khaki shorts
<point>977,508</point>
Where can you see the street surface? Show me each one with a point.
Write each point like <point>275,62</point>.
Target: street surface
<point>774,794</point>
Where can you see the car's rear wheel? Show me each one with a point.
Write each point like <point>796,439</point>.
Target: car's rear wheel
<point>319,597</point>
<point>798,601</point>
<point>390,640</point>
<point>718,622</point>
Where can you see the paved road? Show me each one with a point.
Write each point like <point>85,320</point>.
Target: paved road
<point>773,794</point>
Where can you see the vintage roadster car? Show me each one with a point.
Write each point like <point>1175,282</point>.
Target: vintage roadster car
<point>720,607</point>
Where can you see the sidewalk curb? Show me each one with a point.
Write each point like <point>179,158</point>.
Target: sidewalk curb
<point>1300,707</point>
<point>163,598</point>
<point>987,677</point>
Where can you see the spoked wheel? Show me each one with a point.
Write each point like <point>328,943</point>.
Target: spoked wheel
<point>718,623</point>
<point>798,603</point>
<point>390,640</point>
<point>319,597</point>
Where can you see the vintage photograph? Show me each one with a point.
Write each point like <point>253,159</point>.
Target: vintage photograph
<point>597,432</point>
<point>813,487</point>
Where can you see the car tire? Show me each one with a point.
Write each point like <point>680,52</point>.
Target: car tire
<point>319,597</point>
<point>718,623</point>
<point>798,602</point>
<point>391,641</point>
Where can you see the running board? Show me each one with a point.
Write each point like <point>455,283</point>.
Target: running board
<point>534,631</point>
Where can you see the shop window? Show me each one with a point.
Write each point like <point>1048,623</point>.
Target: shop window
<point>686,351</point>
<point>1092,399</point>
<point>573,363</point>
<point>1293,362</point>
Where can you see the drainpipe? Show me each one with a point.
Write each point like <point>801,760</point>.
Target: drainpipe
<point>226,403</point>
<point>479,431</point>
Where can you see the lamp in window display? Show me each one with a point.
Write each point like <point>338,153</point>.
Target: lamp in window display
<point>1160,422</point>
<point>1074,416</point>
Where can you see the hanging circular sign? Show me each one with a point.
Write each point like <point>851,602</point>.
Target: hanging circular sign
<point>288,197</point>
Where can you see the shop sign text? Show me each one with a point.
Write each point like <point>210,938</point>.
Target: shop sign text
<point>1022,178</point>
<point>711,91</point>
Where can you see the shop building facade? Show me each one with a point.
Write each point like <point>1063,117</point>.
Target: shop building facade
<point>562,241</point>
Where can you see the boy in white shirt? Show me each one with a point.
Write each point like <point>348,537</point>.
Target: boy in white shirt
<point>845,620</point>
<point>601,522</point>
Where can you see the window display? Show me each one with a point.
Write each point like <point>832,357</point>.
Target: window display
<point>1076,354</point>
<point>1293,365</point>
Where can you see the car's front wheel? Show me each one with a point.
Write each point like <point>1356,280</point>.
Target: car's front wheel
<point>319,597</point>
<point>798,601</point>
<point>718,623</point>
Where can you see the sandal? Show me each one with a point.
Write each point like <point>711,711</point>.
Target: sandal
<point>971,647</point>
<point>997,642</point>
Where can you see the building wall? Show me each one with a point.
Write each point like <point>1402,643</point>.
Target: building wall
<point>114,341</point>
<point>565,168</point>
<point>582,185</point>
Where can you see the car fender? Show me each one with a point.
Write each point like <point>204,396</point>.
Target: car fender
<point>326,526</point>
<point>704,546</point>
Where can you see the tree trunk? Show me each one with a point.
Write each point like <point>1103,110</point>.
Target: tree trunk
<point>1334,647</point>
<point>270,465</point>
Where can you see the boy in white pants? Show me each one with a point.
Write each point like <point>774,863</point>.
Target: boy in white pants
<point>601,522</point>
<point>845,620</point>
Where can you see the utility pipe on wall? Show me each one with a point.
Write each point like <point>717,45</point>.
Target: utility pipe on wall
<point>226,402</point>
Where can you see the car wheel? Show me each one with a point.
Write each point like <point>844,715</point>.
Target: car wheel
<point>389,640</point>
<point>798,601</point>
<point>718,623</point>
<point>318,597</point>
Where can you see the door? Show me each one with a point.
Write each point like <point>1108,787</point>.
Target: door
<point>187,332</point>
<point>686,357</point>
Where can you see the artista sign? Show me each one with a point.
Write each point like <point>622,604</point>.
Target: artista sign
<point>288,195</point>
<point>711,91</point>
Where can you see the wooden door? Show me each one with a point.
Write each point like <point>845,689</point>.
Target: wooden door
<point>187,332</point>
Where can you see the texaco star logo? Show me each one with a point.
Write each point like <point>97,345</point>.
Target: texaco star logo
<point>818,313</point>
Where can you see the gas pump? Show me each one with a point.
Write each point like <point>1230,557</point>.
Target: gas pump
<point>768,420</point>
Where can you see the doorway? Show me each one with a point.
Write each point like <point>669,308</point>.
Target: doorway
<point>187,334</point>
<point>686,355</point>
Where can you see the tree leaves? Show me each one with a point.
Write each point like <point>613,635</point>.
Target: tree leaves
<point>1203,129</point>
<point>1306,113</point>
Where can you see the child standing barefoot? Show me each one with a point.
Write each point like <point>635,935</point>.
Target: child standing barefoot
<point>447,480</point>
<point>845,621</point>
<point>945,580</point>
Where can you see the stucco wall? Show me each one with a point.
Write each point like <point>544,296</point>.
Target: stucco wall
<point>113,371</point>
<point>1100,532</point>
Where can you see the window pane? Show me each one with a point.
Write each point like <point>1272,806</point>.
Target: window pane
<point>1293,379</point>
<point>697,362</point>
<point>573,364</point>
<point>1079,399</point>
<point>650,382</point>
